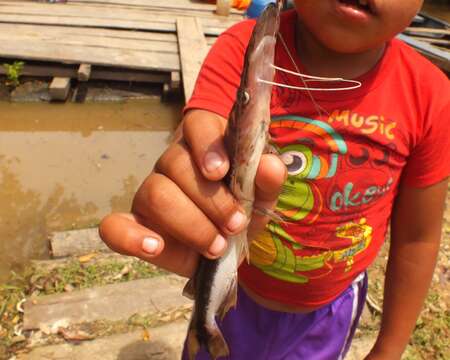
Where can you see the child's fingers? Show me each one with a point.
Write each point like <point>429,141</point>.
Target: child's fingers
<point>203,132</point>
<point>269,180</point>
<point>161,204</point>
<point>212,197</point>
<point>124,234</point>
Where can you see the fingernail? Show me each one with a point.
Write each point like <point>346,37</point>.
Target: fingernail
<point>236,221</point>
<point>150,245</point>
<point>213,161</point>
<point>218,246</point>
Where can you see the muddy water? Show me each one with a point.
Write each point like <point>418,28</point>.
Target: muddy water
<point>66,166</point>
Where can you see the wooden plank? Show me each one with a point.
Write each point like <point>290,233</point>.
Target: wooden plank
<point>61,31</point>
<point>100,23</point>
<point>117,9</point>
<point>62,35</point>
<point>111,302</point>
<point>134,59</point>
<point>442,42</point>
<point>429,31</point>
<point>84,12</point>
<point>165,4</point>
<point>193,50</point>
<point>84,72</point>
<point>86,22</point>
<point>59,88</point>
<point>98,73</point>
<point>76,242</point>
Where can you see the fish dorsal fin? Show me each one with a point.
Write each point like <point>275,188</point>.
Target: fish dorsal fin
<point>189,289</point>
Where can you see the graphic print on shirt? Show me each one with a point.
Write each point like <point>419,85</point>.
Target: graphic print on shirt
<point>312,152</point>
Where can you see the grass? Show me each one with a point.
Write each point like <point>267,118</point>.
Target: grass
<point>13,73</point>
<point>431,336</point>
<point>75,274</point>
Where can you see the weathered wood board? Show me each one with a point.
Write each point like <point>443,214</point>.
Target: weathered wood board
<point>97,73</point>
<point>104,17</point>
<point>137,36</point>
<point>110,302</point>
<point>95,9</point>
<point>193,49</point>
<point>82,37</point>
<point>164,4</point>
<point>76,242</point>
<point>65,53</point>
<point>166,343</point>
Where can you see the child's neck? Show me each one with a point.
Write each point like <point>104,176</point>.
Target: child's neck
<point>321,61</point>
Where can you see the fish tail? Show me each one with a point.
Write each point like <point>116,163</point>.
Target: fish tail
<point>193,345</point>
<point>214,343</point>
<point>217,346</point>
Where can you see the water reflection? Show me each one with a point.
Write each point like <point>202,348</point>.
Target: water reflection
<point>66,166</point>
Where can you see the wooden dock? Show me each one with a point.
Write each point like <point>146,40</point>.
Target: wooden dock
<point>122,40</point>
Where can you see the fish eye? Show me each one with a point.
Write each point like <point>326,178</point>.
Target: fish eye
<point>246,97</point>
<point>295,162</point>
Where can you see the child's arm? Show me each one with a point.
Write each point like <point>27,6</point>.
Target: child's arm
<point>415,237</point>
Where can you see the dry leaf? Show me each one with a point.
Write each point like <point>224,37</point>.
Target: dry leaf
<point>68,288</point>
<point>75,335</point>
<point>85,258</point>
<point>146,335</point>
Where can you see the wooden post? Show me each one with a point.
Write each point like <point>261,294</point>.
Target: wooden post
<point>59,88</point>
<point>175,80</point>
<point>84,72</point>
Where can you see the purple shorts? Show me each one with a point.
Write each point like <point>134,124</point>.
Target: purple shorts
<point>254,332</point>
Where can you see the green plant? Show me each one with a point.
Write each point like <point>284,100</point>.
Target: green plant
<point>13,72</point>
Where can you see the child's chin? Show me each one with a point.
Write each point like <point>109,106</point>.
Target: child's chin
<point>352,43</point>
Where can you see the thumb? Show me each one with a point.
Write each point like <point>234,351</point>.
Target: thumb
<point>269,180</point>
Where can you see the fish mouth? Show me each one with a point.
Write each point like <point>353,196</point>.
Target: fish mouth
<point>269,20</point>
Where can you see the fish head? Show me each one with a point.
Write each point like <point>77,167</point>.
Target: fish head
<point>259,59</point>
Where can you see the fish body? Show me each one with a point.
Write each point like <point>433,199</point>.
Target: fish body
<point>215,281</point>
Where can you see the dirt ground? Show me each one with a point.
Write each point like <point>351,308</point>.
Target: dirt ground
<point>432,333</point>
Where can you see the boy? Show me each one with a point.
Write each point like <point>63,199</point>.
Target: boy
<point>350,161</point>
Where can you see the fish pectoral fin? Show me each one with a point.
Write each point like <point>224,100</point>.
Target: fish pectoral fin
<point>271,149</point>
<point>229,302</point>
<point>189,290</point>
<point>271,214</point>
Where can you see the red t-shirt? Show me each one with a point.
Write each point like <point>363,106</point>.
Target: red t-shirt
<point>344,161</point>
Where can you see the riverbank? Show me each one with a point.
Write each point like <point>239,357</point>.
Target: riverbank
<point>96,271</point>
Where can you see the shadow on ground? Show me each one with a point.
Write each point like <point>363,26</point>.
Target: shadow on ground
<point>145,350</point>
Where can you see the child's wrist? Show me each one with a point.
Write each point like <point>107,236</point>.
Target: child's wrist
<point>386,350</point>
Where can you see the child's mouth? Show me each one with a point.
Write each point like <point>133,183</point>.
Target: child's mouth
<point>359,5</point>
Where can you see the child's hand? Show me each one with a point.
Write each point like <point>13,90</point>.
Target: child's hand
<point>183,208</point>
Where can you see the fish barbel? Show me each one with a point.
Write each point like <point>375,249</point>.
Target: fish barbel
<point>214,285</point>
